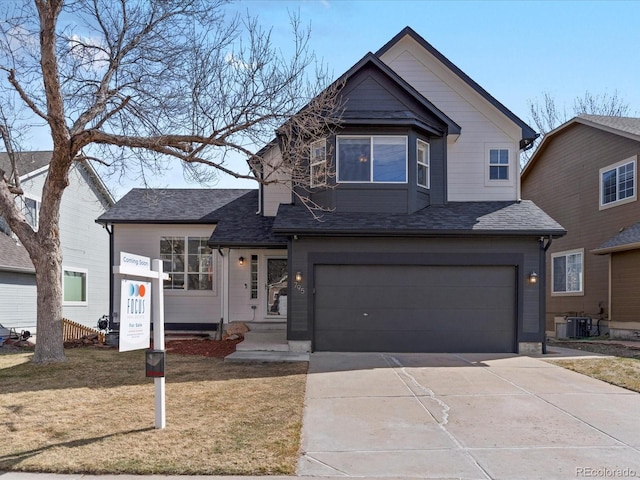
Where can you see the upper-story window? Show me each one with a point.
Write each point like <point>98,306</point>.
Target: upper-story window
<point>31,211</point>
<point>618,183</point>
<point>423,164</point>
<point>188,261</point>
<point>498,164</point>
<point>318,163</point>
<point>380,159</point>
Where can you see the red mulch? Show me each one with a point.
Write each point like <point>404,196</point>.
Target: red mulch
<point>204,347</point>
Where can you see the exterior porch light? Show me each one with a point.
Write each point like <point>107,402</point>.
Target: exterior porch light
<point>533,278</point>
<point>298,277</point>
<point>241,260</point>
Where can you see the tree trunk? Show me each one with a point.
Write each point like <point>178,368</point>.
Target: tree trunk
<point>48,264</point>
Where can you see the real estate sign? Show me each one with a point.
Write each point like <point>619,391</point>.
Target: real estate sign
<point>135,315</point>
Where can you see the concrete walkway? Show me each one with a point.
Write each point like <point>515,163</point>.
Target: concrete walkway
<point>469,416</point>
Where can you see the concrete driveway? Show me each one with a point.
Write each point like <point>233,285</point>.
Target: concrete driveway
<point>469,416</point>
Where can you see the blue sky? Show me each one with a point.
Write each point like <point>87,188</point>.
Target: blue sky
<point>516,50</point>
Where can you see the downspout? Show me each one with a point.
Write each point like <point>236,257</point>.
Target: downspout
<point>224,291</point>
<point>109,229</point>
<point>542,305</point>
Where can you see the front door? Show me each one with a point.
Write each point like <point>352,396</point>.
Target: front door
<point>277,282</point>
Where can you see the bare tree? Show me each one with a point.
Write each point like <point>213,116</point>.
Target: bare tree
<point>141,84</point>
<point>547,115</point>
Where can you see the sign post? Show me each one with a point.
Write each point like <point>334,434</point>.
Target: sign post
<point>135,305</point>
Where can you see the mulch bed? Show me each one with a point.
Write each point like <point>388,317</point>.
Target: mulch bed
<point>205,347</point>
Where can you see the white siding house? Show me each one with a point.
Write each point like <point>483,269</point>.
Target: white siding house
<point>85,246</point>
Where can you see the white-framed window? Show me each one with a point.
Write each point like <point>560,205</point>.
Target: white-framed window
<point>254,277</point>
<point>567,272</point>
<point>318,163</point>
<point>30,207</point>
<point>372,159</point>
<point>423,161</point>
<point>188,261</point>
<point>498,164</point>
<point>74,286</point>
<point>618,183</point>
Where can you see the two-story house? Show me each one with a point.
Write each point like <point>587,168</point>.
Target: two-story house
<point>425,247</point>
<point>584,174</point>
<point>85,246</point>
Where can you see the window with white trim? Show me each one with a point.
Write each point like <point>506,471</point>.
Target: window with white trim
<point>188,261</point>
<point>567,272</point>
<point>31,211</point>
<point>372,159</point>
<point>74,286</point>
<point>423,160</point>
<point>618,183</point>
<point>254,276</point>
<point>318,163</point>
<point>498,164</point>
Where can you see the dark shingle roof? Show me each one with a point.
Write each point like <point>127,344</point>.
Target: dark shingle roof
<point>459,218</point>
<point>166,206</point>
<point>627,239</point>
<point>27,161</point>
<point>239,224</point>
<point>13,256</point>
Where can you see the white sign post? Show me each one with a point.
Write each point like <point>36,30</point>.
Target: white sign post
<point>135,302</point>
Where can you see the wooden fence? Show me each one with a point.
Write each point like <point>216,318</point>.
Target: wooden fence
<point>73,331</point>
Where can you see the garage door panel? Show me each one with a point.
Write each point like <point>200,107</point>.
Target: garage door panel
<point>414,308</point>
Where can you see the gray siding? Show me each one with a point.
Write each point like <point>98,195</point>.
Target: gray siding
<point>565,184</point>
<point>18,300</point>
<point>523,253</point>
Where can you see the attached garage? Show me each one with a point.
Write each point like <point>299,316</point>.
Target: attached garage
<point>415,308</point>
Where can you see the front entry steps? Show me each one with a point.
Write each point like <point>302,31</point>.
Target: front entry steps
<point>265,342</point>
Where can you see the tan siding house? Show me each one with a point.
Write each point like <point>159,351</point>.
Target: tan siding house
<point>584,174</point>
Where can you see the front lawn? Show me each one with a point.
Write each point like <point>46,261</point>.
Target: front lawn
<point>95,414</point>
<point>621,367</point>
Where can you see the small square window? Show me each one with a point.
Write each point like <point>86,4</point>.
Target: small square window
<point>498,164</point>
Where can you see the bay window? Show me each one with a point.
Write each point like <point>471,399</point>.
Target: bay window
<point>372,159</point>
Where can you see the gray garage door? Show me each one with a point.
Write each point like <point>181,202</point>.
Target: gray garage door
<point>414,308</point>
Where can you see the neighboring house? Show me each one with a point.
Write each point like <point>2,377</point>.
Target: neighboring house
<point>584,174</point>
<point>85,246</point>
<point>426,247</point>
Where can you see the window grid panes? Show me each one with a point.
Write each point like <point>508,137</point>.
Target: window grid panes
<point>618,183</point>
<point>381,159</point>
<point>567,273</point>
<point>188,261</point>
<point>498,164</point>
<point>254,276</point>
<point>423,164</point>
<point>30,210</point>
<point>318,163</point>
